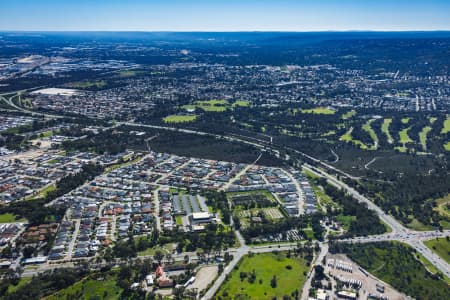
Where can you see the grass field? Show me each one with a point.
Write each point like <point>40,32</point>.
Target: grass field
<point>9,218</point>
<point>213,105</point>
<point>348,115</point>
<point>385,129</point>
<point>210,105</point>
<point>289,272</point>
<point>367,127</point>
<point>423,137</point>
<point>89,288</point>
<point>441,247</point>
<point>241,103</point>
<point>319,111</point>
<point>446,127</point>
<point>180,118</point>
<point>396,264</point>
<point>89,84</point>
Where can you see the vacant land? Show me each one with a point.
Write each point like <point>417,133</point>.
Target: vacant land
<point>89,288</point>
<point>180,118</point>
<point>385,129</point>
<point>441,246</point>
<point>254,280</point>
<point>396,264</point>
<point>319,110</point>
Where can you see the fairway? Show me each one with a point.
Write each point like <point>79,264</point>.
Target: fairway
<point>423,137</point>
<point>368,128</point>
<point>404,139</point>
<point>446,127</point>
<point>241,103</point>
<point>319,111</point>
<point>348,115</point>
<point>441,247</point>
<point>213,105</point>
<point>347,137</point>
<point>180,118</point>
<point>385,129</point>
<point>447,146</point>
<point>289,272</point>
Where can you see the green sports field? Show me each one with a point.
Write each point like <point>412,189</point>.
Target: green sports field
<point>289,272</point>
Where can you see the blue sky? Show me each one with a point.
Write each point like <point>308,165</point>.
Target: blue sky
<point>224,15</point>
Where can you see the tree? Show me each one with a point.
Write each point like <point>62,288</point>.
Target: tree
<point>273,281</point>
<point>159,256</point>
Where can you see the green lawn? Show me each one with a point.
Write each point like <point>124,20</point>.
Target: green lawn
<point>441,246</point>
<point>9,218</point>
<point>446,127</point>
<point>396,264</point>
<point>385,129</point>
<point>319,111</point>
<point>289,272</point>
<point>423,137</point>
<point>89,288</point>
<point>180,118</point>
<point>367,127</point>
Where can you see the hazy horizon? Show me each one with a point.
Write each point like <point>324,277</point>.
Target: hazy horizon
<point>225,16</point>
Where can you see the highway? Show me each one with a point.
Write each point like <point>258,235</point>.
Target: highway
<point>396,227</point>
<point>399,232</point>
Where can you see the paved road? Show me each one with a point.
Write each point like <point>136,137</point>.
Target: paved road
<point>318,260</point>
<point>389,220</point>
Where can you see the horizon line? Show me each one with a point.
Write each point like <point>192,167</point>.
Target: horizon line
<point>236,31</point>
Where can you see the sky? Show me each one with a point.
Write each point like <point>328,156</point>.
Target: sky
<point>224,15</point>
